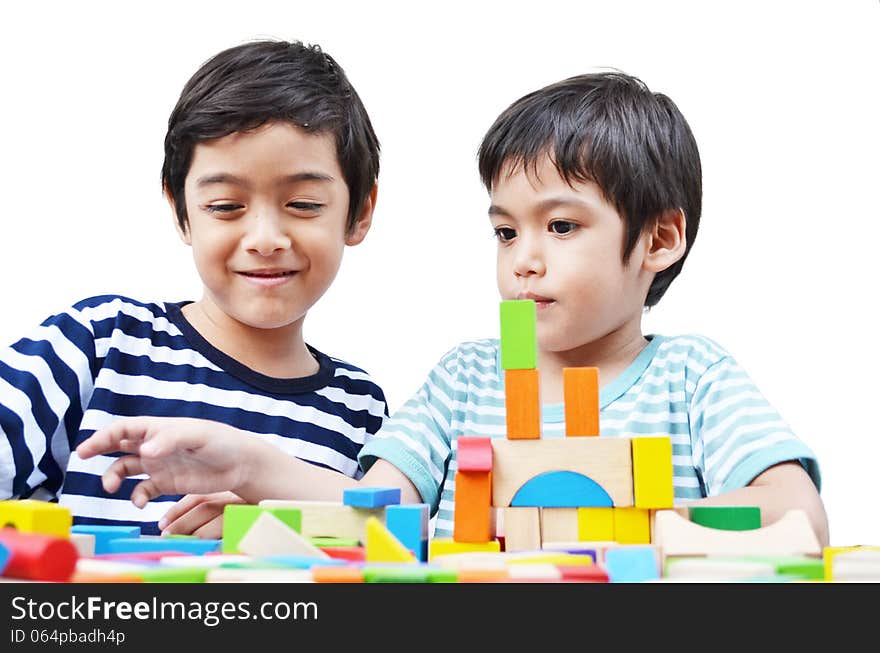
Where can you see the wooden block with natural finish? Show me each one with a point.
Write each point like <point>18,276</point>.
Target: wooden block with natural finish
<point>522,529</point>
<point>606,461</point>
<point>792,534</point>
<point>581,396</point>
<point>522,404</point>
<point>329,518</point>
<point>473,500</point>
<point>269,536</point>
<point>652,472</point>
<point>559,524</point>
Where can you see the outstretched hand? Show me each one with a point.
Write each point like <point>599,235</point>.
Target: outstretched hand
<point>180,455</point>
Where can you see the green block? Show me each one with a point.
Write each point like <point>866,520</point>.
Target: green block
<point>333,541</point>
<point>396,574</point>
<point>238,518</point>
<point>441,575</point>
<point>802,567</point>
<point>726,518</point>
<point>174,575</point>
<point>519,342</point>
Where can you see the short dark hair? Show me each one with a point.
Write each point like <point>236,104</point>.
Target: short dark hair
<point>249,85</point>
<point>610,129</point>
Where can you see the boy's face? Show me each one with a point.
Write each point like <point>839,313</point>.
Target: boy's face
<point>561,245</point>
<point>267,216</point>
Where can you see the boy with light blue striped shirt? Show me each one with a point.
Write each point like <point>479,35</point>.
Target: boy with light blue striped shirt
<point>595,189</point>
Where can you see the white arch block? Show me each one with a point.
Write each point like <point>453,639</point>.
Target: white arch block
<point>791,535</point>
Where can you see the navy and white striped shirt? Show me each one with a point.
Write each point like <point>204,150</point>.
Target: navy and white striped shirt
<point>109,357</point>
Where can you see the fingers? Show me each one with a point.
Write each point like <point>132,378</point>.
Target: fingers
<point>213,530</point>
<point>110,438</point>
<point>144,491</point>
<point>179,509</point>
<point>119,470</point>
<point>196,519</point>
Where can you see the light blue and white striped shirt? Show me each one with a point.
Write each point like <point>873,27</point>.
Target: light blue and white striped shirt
<point>724,432</point>
<point>110,356</point>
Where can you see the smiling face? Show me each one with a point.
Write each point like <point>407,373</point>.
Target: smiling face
<point>267,214</point>
<point>561,245</point>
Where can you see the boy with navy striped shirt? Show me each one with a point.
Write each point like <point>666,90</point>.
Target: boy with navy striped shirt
<point>595,188</point>
<point>270,170</point>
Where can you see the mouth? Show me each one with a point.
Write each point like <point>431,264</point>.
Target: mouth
<point>541,302</point>
<point>268,278</point>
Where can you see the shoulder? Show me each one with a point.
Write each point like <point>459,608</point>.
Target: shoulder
<point>470,358</point>
<point>692,351</point>
<point>105,313</point>
<point>348,376</point>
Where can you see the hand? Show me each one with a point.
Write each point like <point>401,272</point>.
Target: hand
<point>180,455</point>
<point>198,514</point>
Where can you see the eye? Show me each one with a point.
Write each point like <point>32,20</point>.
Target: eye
<point>562,227</point>
<point>310,207</point>
<point>505,234</point>
<point>223,208</point>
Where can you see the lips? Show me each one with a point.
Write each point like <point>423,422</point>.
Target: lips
<point>267,274</point>
<point>539,299</point>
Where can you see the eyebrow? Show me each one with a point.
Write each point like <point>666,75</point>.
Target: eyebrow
<point>226,178</point>
<point>545,205</point>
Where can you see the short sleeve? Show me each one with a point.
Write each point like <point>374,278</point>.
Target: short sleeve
<point>416,439</point>
<point>736,434</point>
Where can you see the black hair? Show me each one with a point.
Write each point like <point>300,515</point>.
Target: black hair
<point>608,128</point>
<point>249,85</point>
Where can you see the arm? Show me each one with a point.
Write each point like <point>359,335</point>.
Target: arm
<point>780,488</point>
<point>184,455</point>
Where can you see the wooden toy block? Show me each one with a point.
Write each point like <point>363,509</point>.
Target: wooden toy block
<point>829,553</point>
<point>35,556</point>
<point>396,573</point>
<point>728,518</point>
<point>519,341</point>
<point>522,404</point>
<point>382,546</point>
<point>174,574</point>
<point>335,542</point>
<point>31,516</point>
<point>652,472</point>
<point>5,554</point>
<point>371,497</point>
<point>105,534</point>
<point>205,561</point>
<point>441,575</point>
<point>270,536</point>
<point>803,567</point>
<point>473,499</point>
<point>541,571</point>
<point>238,519</point>
<point>632,564</point>
<point>473,454</point>
<point>409,524</point>
<point>790,535</point>
<point>596,549</point>
<point>329,518</point>
<point>583,573</point>
<point>561,489</point>
<point>605,461</point>
<point>163,544</point>
<point>481,575</point>
<point>632,525</point>
<point>337,574</point>
<point>445,546</point>
<point>581,397</point>
<point>716,568</point>
<point>522,529</point>
<point>595,524</point>
<point>559,524</point>
<point>550,557</point>
<point>229,575</point>
<point>861,565</point>
<point>84,543</point>
<point>351,553</point>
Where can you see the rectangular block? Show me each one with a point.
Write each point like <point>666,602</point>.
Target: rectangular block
<point>473,454</point>
<point>32,516</point>
<point>329,518</point>
<point>559,524</point>
<point>473,500</point>
<point>522,404</point>
<point>595,524</point>
<point>149,544</point>
<point>652,472</point>
<point>519,342</point>
<point>635,564</point>
<point>409,524</point>
<point>371,497</point>
<point>522,529</point>
<point>632,525</point>
<point>444,546</point>
<point>105,534</point>
<point>581,396</point>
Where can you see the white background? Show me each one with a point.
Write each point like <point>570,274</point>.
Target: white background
<point>782,98</point>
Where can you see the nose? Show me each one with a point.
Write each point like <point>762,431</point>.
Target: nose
<point>528,257</point>
<point>266,234</point>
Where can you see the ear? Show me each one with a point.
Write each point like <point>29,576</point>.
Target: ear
<point>358,232</point>
<point>666,241</point>
<point>183,232</point>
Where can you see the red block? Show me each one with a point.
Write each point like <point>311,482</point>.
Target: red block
<point>354,553</point>
<point>474,454</point>
<point>583,573</point>
<point>38,557</point>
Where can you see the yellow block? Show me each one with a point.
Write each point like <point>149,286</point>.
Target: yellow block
<point>30,516</point>
<point>382,546</point>
<point>552,558</point>
<point>632,526</point>
<point>446,545</point>
<point>595,524</point>
<point>829,552</point>
<point>652,472</point>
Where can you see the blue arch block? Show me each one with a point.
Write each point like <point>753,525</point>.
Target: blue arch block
<point>562,490</point>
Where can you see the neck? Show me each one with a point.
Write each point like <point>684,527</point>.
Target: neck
<point>279,352</point>
<point>612,354</point>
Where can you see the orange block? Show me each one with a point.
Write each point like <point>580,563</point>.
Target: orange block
<point>477,575</point>
<point>522,404</point>
<point>338,574</point>
<point>473,502</point>
<point>581,396</point>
